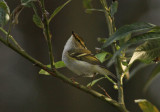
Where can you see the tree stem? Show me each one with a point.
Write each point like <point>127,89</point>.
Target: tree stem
<point>13,40</point>
<point>117,62</point>
<point>47,34</point>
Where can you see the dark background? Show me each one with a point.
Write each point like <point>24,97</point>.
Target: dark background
<point>22,89</point>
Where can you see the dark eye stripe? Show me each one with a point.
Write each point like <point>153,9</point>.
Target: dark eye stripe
<point>80,40</point>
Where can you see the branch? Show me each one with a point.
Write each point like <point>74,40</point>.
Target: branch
<point>47,34</point>
<point>117,62</point>
<point>13,40</point>
<point>62,77</point>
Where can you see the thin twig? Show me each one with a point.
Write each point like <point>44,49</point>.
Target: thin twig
<point>47,34</point>
<point>104,91</point>
<point>13,40</point>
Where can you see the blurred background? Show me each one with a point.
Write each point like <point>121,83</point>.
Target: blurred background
<point>22,89</point>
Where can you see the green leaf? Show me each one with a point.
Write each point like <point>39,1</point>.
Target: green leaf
<point>4,13</point>
<point>43,72</point>
<point>124,39</point>
<point>59,64</point>
<point>37,21</point>
<point>146,106</point>
<point>95,81</point>
<point>135,40</point>
<point>124,31</point>
<point>113,8</point>
<point>102,56</point>
<point>58,9</point>
<point>147,52</point>
<point>155,73</point>
<point>155,29</point>
<point>4,6</point>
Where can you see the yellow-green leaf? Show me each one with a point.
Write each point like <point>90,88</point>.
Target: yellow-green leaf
<point>95,81</point>
<point>58,9</point>
<point>146,106</point>
<point>103,56</point>
<point>57,65</point>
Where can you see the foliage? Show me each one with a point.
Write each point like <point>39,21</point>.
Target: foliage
<point>113,8</point>
<point>37,21</point>
<point>144,36</point>
<point>147,52</point>
<point>57,10</point>
<point>59,64</point>
<point>146,106</point>
<point>4,13</point>
<point>94,81</point>
<point>103,56</point>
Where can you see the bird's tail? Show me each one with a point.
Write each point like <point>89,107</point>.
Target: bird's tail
<point>105,72</point>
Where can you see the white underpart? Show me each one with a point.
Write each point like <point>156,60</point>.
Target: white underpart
<point>80,67</point>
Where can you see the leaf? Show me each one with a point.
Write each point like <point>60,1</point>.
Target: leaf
<point>155,73</point>
<point>124,39</point>
<point>16,13</point>
<point>102,56</point>
<point>59,64</point>
<point>4,13</point>
<point>4,6</point>
<point>43,72</point>
<point>122,32</point>
<point>146,106</point>
<point>94,81</point>
<point>27,3</point>
<point>87,4</point>
<point>91,10</point>
<point>113,8</point>
<point>155,29</point>
<point>101,40</point>
<point>37,21</point>
<point>135,40</point>
<point>147,52</point>
<point>57,10</point>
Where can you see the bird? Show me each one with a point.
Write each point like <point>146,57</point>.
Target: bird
<point>80,60</point>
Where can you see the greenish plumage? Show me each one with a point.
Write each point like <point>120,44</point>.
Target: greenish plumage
<point>84,55</point>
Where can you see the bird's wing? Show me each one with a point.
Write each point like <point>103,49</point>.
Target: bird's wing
<point>84,55</point>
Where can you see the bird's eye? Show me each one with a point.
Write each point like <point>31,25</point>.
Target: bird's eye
<point>79,40</point>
